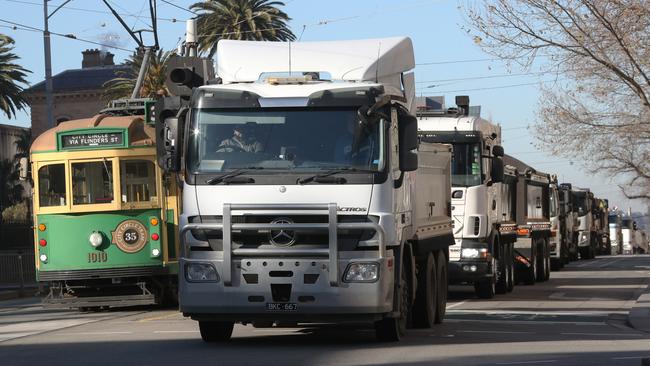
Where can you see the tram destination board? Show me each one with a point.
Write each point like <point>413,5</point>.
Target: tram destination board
<point>92,139</point>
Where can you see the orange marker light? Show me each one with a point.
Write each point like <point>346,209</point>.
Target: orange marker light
<point>42,227</point>
<point>154,221</point>
<point>154,236</point>
<point>522,231</point>
<point>42,242</point>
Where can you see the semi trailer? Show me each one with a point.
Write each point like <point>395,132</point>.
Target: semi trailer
<point>532,212</point>
<point>482,197</point>
<point>307,197</point>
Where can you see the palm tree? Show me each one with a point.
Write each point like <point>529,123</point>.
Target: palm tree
<point>250,20</point>
<point>11,76</point>
<point>11,191</point>
<point>154,82</point>
<point>23,143</point>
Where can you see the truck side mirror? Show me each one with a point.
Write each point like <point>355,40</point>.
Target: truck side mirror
<point>169,134</point>
<point>497,150</point>
<point>24,169</point>
<point>408,141</point>
<point>497,170</point>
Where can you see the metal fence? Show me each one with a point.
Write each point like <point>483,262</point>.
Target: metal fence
<point>17,269</point>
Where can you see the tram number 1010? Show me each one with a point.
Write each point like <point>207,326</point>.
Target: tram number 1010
<point>97,257</point>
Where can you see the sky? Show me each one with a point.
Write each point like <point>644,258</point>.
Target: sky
<point>444,53</point>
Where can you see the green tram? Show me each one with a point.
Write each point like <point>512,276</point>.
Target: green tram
<point>105,217</point>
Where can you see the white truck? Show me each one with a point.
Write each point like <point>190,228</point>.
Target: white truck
<point>615,232</point>
<point>583,202</point>
<point>571,222</point>
<point>482,209</point>
<point>628,228</point>
<point>558,245</point>
<point>307,197</point>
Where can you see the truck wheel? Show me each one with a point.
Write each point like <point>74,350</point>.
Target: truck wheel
<point>426,298</point>
<point>501,286</point>
<point>540,274</point>
<point>547,272</point>
<point>530,275</point>
<point>441,267</point>
<point>511,263</point>
<point>584,253</point>
<point>485,288</point>
<point>392,329</point>
<point>216,331</point>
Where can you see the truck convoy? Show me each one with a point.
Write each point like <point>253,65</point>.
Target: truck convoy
<point>307,196</point>
<point>482,197</point>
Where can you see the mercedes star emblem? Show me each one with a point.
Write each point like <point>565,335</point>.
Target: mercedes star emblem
<point>282,237</point>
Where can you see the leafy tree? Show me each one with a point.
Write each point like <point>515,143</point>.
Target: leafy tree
<point>251,20</point>
<point>12,76</point>
<point>599,107</point>
<point>23,143</point>
<point>11,191</point>
<point>154,82</point>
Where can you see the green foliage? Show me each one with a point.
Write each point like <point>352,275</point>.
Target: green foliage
<point>11,191</point>
<point>153,85</point>
<point>11,76</point>
<point>16,213</point>
<point>251,20</point>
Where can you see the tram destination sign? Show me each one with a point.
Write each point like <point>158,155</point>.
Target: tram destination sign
<point>92,139</point>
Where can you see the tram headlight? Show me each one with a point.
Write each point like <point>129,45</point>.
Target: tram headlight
<point>95,239</point>
<point>201,272</point>
<point>155,252</point>
<point>43,258</point>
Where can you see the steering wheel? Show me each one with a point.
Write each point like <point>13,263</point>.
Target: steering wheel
<point>231,148</point>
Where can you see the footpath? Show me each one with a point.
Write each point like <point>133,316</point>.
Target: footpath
<point>639,315</point>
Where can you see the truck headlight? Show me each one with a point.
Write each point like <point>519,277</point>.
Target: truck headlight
<point>361,272</point>
<point>473,253</point>
<point>201,272</point>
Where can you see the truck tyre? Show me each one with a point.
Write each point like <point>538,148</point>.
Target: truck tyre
<point>215,331</point>
<point>392,329</point>
<point>501,286</point>
<point>426,297</point>
<point>547,272</point>
<point>441,267</point>
<point>485,288</point>
<point>511,263</point>
<point>541,260</point>
<point>530,275</point>
<point>584,253</point>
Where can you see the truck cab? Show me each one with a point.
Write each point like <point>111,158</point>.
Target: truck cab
<point>615,233</point>
<point>583,203</point>
<point>484,227</point>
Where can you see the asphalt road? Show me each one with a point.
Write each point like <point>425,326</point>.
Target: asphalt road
<point>577,318</point>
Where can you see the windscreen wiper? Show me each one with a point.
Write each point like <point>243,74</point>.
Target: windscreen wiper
<point>227,177</point>
<point>326,177</point>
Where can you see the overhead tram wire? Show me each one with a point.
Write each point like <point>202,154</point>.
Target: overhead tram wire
<point>171,20</point>
<point>486,77</point>
<point>179,7</point>
<point>494,87</point>
<point>68,36</point>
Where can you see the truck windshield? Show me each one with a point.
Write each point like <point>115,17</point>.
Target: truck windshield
<point>288,139</point>
<point>466,165</point>
<point>580,203</point>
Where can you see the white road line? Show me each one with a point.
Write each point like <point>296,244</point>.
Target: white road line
<point>275,330</point>
<point>610,262</point>
<point>525,362</point>
<point>606,334</point>
<point>176,331</point>
<point>492,331</point>
<point>522,322</point>
<point>629,357</point>
<point>456,304</point>
<point>95,333</point>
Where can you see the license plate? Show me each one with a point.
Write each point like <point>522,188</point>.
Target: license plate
<point>281,306</point>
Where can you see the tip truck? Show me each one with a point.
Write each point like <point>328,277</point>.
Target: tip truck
<point>307,197</point>
<point>482,197</point>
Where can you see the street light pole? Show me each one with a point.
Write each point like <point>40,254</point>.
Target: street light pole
<point>48,69</point>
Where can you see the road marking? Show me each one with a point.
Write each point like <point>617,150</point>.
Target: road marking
<point>606,334</point>
<point>456,304</point>
<point>95,333</point>
<point>525,362</point>
<point>629,358</point>
<point>176,331</point>
<point>522,322</point>
<point>600,287</point>
<point>275,330</point>
<point>492,331</point>
<point>159,317</point>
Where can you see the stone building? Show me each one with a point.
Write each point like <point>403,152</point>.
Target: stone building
<point>77,92</point>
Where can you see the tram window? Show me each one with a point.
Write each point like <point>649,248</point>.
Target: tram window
<point>138,181</point>
<point>92,182</point>
<point>51,185</point>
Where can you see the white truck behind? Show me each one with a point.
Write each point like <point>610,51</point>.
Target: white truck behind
<point>306,196</point>
<point>482,209</point>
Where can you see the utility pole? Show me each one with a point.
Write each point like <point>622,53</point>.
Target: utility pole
<point>48,69</point>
